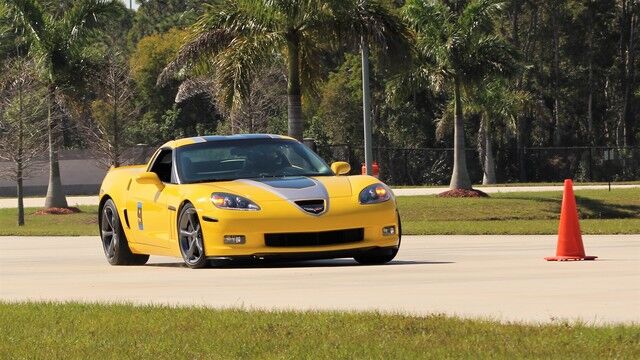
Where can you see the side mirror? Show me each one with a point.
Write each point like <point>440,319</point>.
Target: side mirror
<point>149,178</point>
<point>340,168</point>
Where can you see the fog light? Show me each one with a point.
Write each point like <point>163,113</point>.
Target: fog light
<point>388,230</point>
<point>234,239</point>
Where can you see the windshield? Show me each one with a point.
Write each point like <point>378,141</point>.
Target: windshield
<point>246,159</point>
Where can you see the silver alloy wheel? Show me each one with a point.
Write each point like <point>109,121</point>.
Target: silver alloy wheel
<point>191,244</point>
<point>108,231</point>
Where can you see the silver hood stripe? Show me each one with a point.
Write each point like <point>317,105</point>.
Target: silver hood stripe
<point>317,191</point>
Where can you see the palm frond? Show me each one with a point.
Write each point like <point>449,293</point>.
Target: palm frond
<point>478,16</point>
<point>237,65</point>
<point>239,16</point>
<point>205,44</point>
<point>30,14</point>
<point>86,15</point>
<point>490,56</point>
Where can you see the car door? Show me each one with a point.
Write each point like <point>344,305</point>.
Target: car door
<point>148,202</point>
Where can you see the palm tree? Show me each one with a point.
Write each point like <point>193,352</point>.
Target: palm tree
<point>496,104</point>
<point>236,38</point>
<point>456,45</point>
<point>57,42</point>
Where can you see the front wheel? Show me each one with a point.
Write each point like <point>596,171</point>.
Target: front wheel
<point>380,256</point>
<point>376,257</point>
<point>190,238</point>
<point>114,242</point>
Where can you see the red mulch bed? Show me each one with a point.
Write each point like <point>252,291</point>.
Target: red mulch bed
<point>458,193</point>
<point>57,211</point>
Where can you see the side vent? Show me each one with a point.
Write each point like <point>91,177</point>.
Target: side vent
<point>129,184</point>
<point>126,219</point>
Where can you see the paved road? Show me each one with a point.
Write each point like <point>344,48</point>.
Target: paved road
<point>501,277</point>
<point>93,200</point>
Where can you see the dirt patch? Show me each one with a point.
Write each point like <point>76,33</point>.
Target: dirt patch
<point>458,193</point>
<point>57,211</point>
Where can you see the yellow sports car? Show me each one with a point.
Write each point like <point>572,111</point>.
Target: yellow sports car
<point>213,198</point>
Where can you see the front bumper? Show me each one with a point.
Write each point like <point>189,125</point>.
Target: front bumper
<point>316,255</point>
<point>276,218</point>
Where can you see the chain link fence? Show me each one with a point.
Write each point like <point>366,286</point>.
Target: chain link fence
<point>433,166</point>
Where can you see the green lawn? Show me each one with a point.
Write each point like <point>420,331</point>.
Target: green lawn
<point>75,331</point>
<point>601,211</point>
<point>514,184</point>
<point>84,223</point>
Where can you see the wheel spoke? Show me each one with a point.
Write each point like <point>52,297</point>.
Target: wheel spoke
<point>111,249</point>
<point>109,219</point>
<point>105,221</point>
<point>186,233</point>
<point>199,246</point>
<point>193,219</point>
<point>191,250</point>
<point>106,233</point>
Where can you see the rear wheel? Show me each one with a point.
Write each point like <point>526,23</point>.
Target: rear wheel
<point>380,256</point>
<point>190,238</point>
<point>114,242</point>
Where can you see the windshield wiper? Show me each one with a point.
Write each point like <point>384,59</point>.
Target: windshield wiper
<point>210,180</point>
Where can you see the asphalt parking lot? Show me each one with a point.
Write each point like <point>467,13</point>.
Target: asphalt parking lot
<point>498,277</point>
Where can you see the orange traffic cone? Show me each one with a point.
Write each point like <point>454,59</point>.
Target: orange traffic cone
<point>569,238</point>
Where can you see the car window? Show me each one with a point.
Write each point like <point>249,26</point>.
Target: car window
<point>162,165</point>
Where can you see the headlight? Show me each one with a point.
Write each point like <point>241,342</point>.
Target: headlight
<point>375,193</point>
<point>232,202</point>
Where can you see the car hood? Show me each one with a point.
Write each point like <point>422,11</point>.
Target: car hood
<point>288,188</point>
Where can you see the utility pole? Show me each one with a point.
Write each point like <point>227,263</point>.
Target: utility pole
<point>366,107</point>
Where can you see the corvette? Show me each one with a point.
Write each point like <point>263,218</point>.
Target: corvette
<point>213,198</point>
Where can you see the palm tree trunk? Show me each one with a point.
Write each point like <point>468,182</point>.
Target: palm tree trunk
<point>460,175</point>
<point>55,193</point>
<point>520,136</point>
<point>489,164</point>
<point>294,95</point>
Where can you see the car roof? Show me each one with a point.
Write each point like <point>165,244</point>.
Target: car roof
<point>211,138</point>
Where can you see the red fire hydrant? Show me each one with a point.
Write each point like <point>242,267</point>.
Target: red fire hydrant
<point>375,169</point>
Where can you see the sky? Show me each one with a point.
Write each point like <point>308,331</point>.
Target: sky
<point>135,4</point>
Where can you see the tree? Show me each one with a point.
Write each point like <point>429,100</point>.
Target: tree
<point>458,42</point>
<point>22,122</point>
<point>235,39</point>
<point>159,16</point>
<point>58,41</point>
<point>497,105</point>
<point>111,112</point>
<point>162,117</point>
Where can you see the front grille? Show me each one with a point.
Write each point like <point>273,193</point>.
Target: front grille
<point>315,207</point>
<point>314,238</point>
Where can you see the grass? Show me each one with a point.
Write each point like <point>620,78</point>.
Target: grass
<point>514,184</point>
<point>601,212</point>
<point>84,223</point>
<point>85,331</point>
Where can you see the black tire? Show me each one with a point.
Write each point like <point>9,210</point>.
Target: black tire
<point>190,239</point>
<point>114,242</point>
<point>380,256</point>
